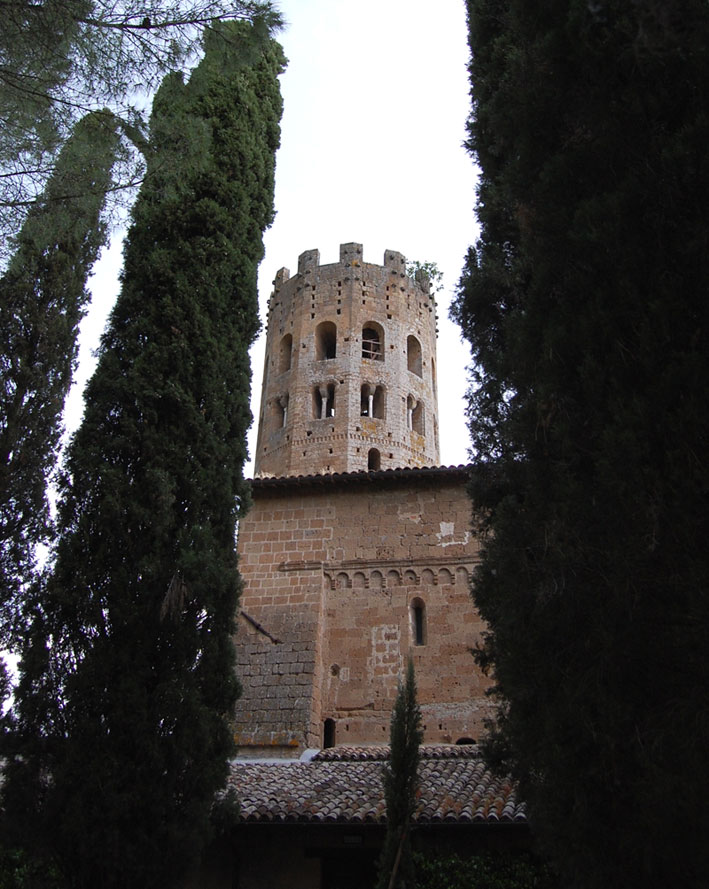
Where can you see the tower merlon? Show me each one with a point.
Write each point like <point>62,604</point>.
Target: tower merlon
<point>308,259</point>
<point>395,261</point>
<point>282,275</point>
<point>351,254</point>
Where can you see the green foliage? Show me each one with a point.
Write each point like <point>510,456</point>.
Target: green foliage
<point>60,59</point>
<point>509,870</point>
<point>127,682</point>
<point>426,271</point>
<point>400,778</point>
<point>42,299</point>
<point>585,304</point>
<point>21,870</point>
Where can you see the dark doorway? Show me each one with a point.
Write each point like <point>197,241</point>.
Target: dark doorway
<point>349,870</point>
<point>328,739</point>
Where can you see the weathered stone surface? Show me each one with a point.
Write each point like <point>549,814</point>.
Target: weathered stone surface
<point>352,563</point>
<point>338,334</point>
<point>346,640</point>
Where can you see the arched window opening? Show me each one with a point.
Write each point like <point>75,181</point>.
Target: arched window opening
<point>374,460</point>
<point>324,401</point>
<point>325,341</point>
<point>465,741</point>
<point>285,351</point>
<point>418,621</point>
<point>372,401</point>
<point>433,373</point>
<point>413,355</point>
<point>418,419</point>
<point>378,403</point>
<point>283,406</point>
<point>328,735</point>
<point>415,415</point>
<point>278,411</point>
<point>373,342</point>
<point>366,400</point>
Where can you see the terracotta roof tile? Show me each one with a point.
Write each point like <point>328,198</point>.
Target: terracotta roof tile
<point>344,785</point>
<point>404,473</point>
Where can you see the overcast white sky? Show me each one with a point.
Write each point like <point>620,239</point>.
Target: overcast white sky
<point>376,98</point>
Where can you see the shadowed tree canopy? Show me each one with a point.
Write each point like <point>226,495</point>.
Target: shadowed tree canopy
<point>60,59</point>
<point>127,680</point>
<point>585,303</point>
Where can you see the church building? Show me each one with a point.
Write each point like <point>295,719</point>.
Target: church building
<point>357,551</point>
<point>356,555</point>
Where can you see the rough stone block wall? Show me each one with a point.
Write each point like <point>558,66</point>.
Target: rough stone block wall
<point>334,570</point>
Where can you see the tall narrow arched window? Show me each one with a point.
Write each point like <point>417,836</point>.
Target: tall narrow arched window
<point>278,409</point>
<point>418,419</point>
<point>378,403</point>
<point>325,341</point>
<point>323,401</point>
<point>285,351</point>
<point>415,415</point>
<point>373,341</point>
<point>372,401</point>
<point>418,621</point>
<point>283,405</point>
<point>410,405</point>
<point>413,356</point>
<point>328,735</point>
<point>374,460</point>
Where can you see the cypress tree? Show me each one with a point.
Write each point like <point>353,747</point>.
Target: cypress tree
<point>42,298</point>
<point>62,58</point>
<point>585,302</point>
<point>128,681</point>
<point>400,777</point>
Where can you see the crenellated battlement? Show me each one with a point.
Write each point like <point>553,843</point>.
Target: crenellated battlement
<point>351,266</point>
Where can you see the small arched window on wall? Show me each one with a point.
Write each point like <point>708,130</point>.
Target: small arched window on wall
<point>324,401</point>
<point>283,406</point>
<point>372,401</point>
<point>418,419</point>
<point>373,342</point>
<point>325,341</point>
<point>415,415</point>
<point>418,621</point>
<point>285,351</point>
<point>279,411</point>
<point>374,460</point>
<point>413,356</point>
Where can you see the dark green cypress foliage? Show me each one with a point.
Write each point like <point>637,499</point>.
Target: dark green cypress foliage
<point>128,683</point>
<point>42,299</point>
<point>400,779</point>
<point>585,302</point>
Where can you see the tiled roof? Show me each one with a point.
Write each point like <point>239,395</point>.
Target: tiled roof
<point>344,785</point>
<point>381,752</point>
<point>404,473</point>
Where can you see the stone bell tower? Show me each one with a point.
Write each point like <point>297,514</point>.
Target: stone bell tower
<point>357,552</point>
<point>349,379</point>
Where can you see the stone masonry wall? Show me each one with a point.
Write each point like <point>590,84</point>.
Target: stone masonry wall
<point>335,570</point>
